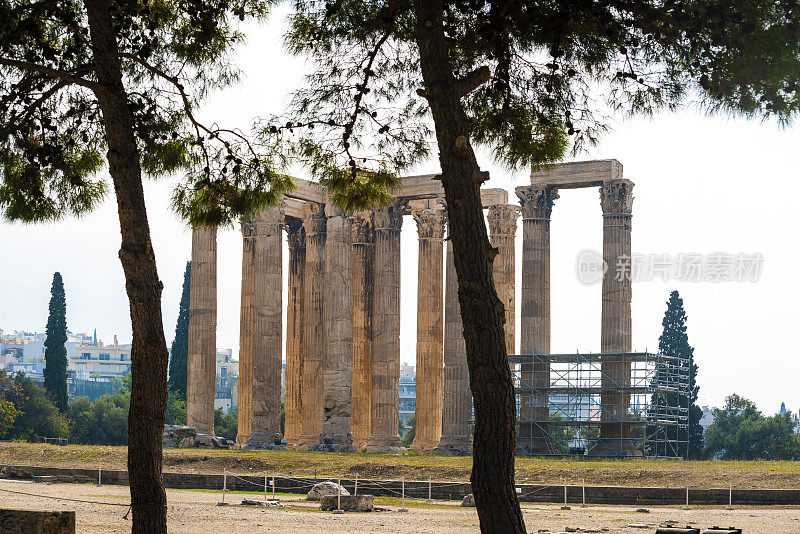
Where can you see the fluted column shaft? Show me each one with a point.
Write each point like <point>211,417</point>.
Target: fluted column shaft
<point>457,407</point>
<point>294,331</point>
<point>260,357</point>
<point>430,319</point>
<point>338,333</point>
<point>202,357</point>
<point>386,332</point>
<point>537,204</point>
<point>313,356</point>
<point>363,294</point>
<point>503,228</point>
<point>246,323</point>
<point>616,199</point>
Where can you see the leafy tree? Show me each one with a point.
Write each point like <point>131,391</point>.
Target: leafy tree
<point>55,353</point>
<point>8,413</point>
<point>674,342</point>
<point>84,79</point>
<point>741,432</point>
<point>180,345</point>
<point>102,422</point>
<point>410,433</point>
<point>37,416</point>
<point>176,410</point>
<point>523,79</point>
<point>226,424</point>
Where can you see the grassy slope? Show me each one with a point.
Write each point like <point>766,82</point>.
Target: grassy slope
<point>635,472</point>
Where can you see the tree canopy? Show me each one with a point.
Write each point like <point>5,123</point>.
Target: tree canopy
<point>52,136</point>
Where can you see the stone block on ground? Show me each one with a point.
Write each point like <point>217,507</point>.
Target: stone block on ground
<point>325,488</point>
<point>40,522</point>
<point>469,501</point>
<point>350,503</point>
<point>43,478</point>
<point>173,435</point>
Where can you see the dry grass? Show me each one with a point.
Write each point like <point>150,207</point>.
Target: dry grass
<point>635,472</point>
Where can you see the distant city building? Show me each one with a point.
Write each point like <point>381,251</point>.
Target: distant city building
<point>226,390</point>
<point>408,392</point>
<point>103,361</point>
<point>708,417</point>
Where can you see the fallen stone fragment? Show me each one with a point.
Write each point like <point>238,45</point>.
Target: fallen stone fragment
<point>325,488</point>
<point>469,501</point>
<point>349,503</point>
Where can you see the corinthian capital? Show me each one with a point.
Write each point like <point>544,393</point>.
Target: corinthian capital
<point>430,223</point>
<point>503,219</point>
<point>314,220</point>
<point>269,220</point>
<point>361,229</point>
<point>294,231</point>
<point>616,197</point>
<point>536,200</point>
<point>388,218</point>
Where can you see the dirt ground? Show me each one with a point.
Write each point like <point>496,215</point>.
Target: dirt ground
<point>191,511</point>
<point>412,466</point>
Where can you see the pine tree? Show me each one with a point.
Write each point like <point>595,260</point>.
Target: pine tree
<point>180,345</point>
<point>527,80</point>
<point>675,342</point>
<point>55,352</point>
<point>89,88</point>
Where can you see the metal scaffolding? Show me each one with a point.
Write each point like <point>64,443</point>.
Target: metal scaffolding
<point>613,404</point>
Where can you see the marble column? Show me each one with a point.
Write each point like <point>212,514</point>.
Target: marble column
<point>457,406</point>
<point>384,436</point>
<point>313,352</point>
<point>430,318</point>
<point>246,323</point>
<point>616,199</point>
<point>294,330</point>
<point>202,358</point>
<point>503,228</point>
<point>262,322</point>
<point>537,204</point>
<point>338,333</point>
<point>363,294</point>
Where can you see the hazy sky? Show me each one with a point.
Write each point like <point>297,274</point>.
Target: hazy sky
<point>703,185</point>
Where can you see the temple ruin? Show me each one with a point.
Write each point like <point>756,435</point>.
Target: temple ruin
<point>343,332</point>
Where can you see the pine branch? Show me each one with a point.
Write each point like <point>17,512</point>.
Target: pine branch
<point>53,73</point>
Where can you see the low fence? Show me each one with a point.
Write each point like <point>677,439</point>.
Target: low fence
<point>431,489</point>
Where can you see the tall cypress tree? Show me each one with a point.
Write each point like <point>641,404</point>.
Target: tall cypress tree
<point>180,345</point>
<point>675,342</point>
<point>55,353</point>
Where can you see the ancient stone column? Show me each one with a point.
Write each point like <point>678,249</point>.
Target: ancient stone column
<point>202,360</point>
<point>294,330</point>
<point>430,318</point>
<point>338,333</point>
<point>384,436</point>
<point>616,199</point>
<point>262,322</point>
<point>457,406</point>
<point>503,228</point>
<point>246,323</point>
<point>313,354</point>
<point>537,204</point>
<point>363,294</point>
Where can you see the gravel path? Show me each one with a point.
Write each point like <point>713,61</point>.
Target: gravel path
<point>191,512</point>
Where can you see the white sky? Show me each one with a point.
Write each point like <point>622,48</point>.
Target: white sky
<point>703,185</point>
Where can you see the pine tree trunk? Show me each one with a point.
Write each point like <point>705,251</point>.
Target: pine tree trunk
<point>149,351</point>
<point>482,312</point>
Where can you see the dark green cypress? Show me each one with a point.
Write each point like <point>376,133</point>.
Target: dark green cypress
<point>180,345</point>
<point>675,342</point>
<point>55,352</point>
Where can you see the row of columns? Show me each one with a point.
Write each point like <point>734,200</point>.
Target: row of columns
<point>343,331</point>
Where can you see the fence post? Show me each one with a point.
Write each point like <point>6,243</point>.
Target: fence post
<point>265,485</point>
<point>273,487</point>
<point>430,499</point>
<point>99,473</point>
<point>403,495</point>
<point>355,488</point>
<point>583,493</point>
